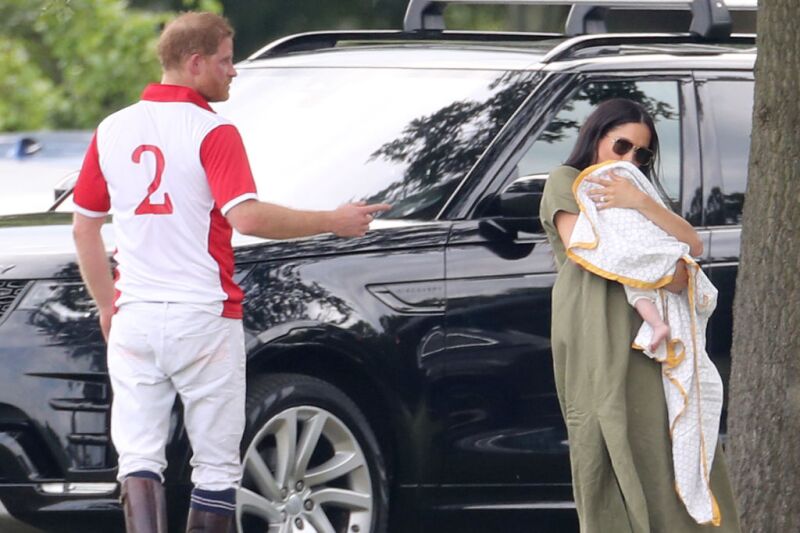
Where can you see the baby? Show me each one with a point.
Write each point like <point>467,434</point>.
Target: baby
<point>644,301</point>
<point>630,242</point>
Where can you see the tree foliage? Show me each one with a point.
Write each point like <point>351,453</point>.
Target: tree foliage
<point>68,63</point>
<point>26,94</point>
<point>257,22</point>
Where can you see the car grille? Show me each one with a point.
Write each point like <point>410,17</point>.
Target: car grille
<point>9,292</point>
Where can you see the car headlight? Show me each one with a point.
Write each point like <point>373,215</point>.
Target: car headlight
<point>70,301</point>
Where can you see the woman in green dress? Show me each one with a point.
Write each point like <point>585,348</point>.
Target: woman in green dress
<point>611,395</point>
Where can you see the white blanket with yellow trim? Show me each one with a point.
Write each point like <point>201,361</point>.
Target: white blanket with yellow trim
<point>625,246</point>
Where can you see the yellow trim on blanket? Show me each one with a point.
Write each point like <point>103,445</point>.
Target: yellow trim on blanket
<point>591,267</point>
<point>575,185</point>
<point>716,519</point>
<point>639,284</point>
<point>671,362</point>
<point>676,354</point>
<point>674,360</point>
<point>668,364</point>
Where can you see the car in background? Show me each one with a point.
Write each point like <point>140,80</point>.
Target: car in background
<point>34,164</point>
<point>401,381</point>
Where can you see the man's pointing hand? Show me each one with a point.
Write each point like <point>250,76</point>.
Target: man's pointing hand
<point>352,220</point>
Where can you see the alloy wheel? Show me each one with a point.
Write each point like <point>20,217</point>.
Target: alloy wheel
<point>305,472</point>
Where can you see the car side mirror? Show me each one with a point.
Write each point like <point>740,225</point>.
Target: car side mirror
<point>27,147</point>
<point>516,208</point>
<point>63,189</point>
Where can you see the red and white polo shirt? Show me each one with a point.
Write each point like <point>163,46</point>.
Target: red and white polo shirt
<point>169,169</point>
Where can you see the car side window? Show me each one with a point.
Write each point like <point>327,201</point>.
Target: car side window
<point>661,98</point>
<point>729,106</point>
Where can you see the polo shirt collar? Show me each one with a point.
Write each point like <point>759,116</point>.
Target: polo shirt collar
<point>158,92</point>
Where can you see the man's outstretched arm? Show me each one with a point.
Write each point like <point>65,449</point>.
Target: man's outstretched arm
<point>272,221</point>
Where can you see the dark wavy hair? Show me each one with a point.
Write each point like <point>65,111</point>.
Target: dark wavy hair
<point>608,115</point>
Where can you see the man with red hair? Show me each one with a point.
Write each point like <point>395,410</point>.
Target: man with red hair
<point>177,179</point>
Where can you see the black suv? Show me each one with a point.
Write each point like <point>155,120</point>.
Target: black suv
<point>401,381</point>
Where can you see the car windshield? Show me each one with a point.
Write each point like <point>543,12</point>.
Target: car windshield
<point>320,137</point>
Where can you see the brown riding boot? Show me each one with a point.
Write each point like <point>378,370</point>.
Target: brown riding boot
<point>144,505</point>
<point>208,522</point>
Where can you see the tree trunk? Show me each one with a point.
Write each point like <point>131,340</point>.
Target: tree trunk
<point>764,413</point>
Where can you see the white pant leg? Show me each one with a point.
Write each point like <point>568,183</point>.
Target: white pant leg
<point>206,361</point>
<point>143,394</point>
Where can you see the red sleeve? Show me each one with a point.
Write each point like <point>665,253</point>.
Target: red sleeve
<point>91,190</point>
<point>224,159</point>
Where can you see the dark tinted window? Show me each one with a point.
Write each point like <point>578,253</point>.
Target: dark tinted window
<point>320,137</point>
<point>729,106</point>
<point>660,98</point>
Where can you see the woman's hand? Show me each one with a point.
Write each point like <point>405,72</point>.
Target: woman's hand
<point>680,279</point>
<point>615,192</point>
<point>619,192</point>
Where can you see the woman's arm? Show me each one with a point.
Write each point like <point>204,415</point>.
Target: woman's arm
<point>673,224</point>
<point>565,223</point>
<point>619,192</point>
<point>680,279</point>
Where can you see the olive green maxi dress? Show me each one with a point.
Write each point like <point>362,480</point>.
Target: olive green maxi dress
<point>612,399</point>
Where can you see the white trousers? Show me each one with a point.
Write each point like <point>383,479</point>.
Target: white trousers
<point>158,350</point>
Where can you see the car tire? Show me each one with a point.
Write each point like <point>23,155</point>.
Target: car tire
<point>311,461</point>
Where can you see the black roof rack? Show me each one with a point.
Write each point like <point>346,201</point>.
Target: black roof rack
<point>424,22</point>
<point>329,39</point>
<point>304,42</point>
<point>711,19</point>
<point>568,48</point>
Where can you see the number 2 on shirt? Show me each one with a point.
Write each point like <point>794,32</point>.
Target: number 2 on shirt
<point>147,207</point>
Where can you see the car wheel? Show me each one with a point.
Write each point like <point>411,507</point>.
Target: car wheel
<point>312,463</point>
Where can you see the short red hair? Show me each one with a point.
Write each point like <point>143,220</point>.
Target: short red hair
<point>191,33</point>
